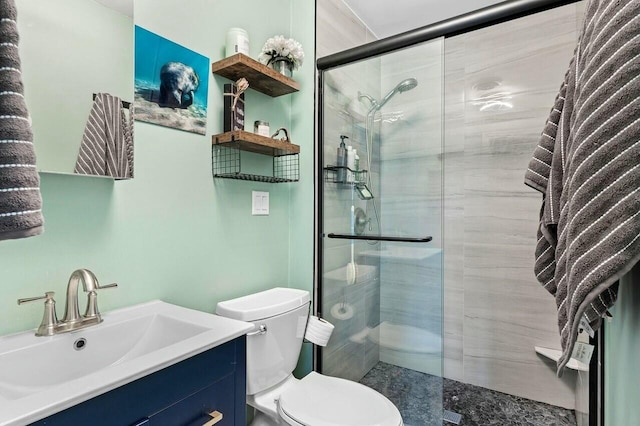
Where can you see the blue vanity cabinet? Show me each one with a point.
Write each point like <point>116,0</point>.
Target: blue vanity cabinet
<point>179,395</point>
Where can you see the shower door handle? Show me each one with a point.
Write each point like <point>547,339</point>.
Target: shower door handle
<point>381,238</point>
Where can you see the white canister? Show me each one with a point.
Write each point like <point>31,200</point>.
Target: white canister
<point>261,128</point>
<point>237,42</point>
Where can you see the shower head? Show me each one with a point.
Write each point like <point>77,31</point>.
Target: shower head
<point>403,86</point>
<point>406,85</point>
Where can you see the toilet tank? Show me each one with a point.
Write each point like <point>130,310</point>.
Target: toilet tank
<point>273,355</point>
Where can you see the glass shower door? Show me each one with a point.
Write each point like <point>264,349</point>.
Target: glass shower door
<point>381,226</point>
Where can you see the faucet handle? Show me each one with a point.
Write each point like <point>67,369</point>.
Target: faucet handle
<point>92,302</point>
<point>100,287</point>
<point>49,319</point>
<point>48,295</point>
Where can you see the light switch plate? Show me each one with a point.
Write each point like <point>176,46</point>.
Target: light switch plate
<point>259,203</point>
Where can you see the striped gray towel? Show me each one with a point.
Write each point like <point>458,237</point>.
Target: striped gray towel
<point>588,169</point>
<point>107,142</point>
<point>20,200</point>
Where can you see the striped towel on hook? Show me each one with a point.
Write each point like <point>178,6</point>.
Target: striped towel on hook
<point>107,142</point>
<point>20,199</point>
<point>586,166</point>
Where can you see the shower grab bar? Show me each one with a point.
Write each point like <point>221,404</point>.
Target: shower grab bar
<point>380,238</point>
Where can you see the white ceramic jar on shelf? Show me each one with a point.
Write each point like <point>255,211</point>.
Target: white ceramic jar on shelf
<point>237,42</point>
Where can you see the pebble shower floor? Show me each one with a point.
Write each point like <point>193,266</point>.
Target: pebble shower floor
<point>418,395</point>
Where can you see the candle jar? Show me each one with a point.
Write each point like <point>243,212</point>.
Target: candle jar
<point>237,42</point>
<point>261,128</point>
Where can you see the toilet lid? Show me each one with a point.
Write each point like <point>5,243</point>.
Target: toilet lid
<point>319,400</point>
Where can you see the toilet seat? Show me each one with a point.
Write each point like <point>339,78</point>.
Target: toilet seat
<point>318,400</point>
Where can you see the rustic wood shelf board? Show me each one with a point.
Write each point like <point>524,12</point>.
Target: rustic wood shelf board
<point>256,143</point>
<point>260,77</point>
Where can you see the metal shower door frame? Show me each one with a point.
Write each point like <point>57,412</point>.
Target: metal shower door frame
<point>491,15</point>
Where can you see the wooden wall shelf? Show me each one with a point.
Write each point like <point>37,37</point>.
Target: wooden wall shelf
<point>226,157</point>
<point>260,77</point>
<point>256,143</point>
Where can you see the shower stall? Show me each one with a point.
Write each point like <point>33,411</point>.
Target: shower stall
<point>425,237</point>
<point>382,221</point>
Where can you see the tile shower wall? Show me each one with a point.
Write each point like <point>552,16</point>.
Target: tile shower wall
<point>352,309</point>
<point>338,28</point>
<point>346,356</point>
<point>495,311</point>
<point>410,142</point>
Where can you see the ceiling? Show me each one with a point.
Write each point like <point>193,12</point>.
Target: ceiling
<point>123,6</point>
<point>383,17</point>
<point>389,17</point>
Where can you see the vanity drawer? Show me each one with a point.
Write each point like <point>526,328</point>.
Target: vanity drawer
<point>192,411</point>
<point>212,380</point>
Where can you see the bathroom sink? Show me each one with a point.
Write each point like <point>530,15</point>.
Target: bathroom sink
<point>40,376</point>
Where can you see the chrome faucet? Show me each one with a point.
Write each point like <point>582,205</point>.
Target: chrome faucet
<point>72,319</point>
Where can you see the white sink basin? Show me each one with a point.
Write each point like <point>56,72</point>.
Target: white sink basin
<point>40,376</point>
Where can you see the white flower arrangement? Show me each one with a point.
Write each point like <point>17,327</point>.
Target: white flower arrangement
<point>280,47</point>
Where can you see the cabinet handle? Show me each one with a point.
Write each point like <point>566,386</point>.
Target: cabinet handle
<point>216,416</point>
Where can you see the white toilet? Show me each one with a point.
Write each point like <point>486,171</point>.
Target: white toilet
<point>280,318</point>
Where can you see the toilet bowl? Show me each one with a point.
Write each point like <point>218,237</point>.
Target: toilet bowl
<point>319,400</point>
<point>280,317</point>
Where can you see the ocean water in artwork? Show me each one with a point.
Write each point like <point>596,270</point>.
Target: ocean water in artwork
<point>171,83</point>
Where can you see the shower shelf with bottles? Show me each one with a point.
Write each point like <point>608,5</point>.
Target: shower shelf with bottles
<point>332,173</point>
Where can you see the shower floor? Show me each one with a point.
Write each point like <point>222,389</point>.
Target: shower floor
<point>418,396</point>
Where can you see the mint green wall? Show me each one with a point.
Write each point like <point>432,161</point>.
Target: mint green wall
<point>173,233</point>
<point>622,349</point>
<point>88,49</point>
<point>302,196</point>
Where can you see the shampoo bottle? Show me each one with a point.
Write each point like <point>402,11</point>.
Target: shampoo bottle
<point>356,177</point>
<point>341,161</point>
<point>351,163</point>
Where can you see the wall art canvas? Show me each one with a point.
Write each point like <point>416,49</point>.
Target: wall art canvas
<point>171,83</point>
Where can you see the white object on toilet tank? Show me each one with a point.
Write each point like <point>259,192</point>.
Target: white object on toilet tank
<point>273,355</point>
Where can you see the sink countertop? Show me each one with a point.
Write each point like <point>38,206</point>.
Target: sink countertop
<point>41,401</point>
